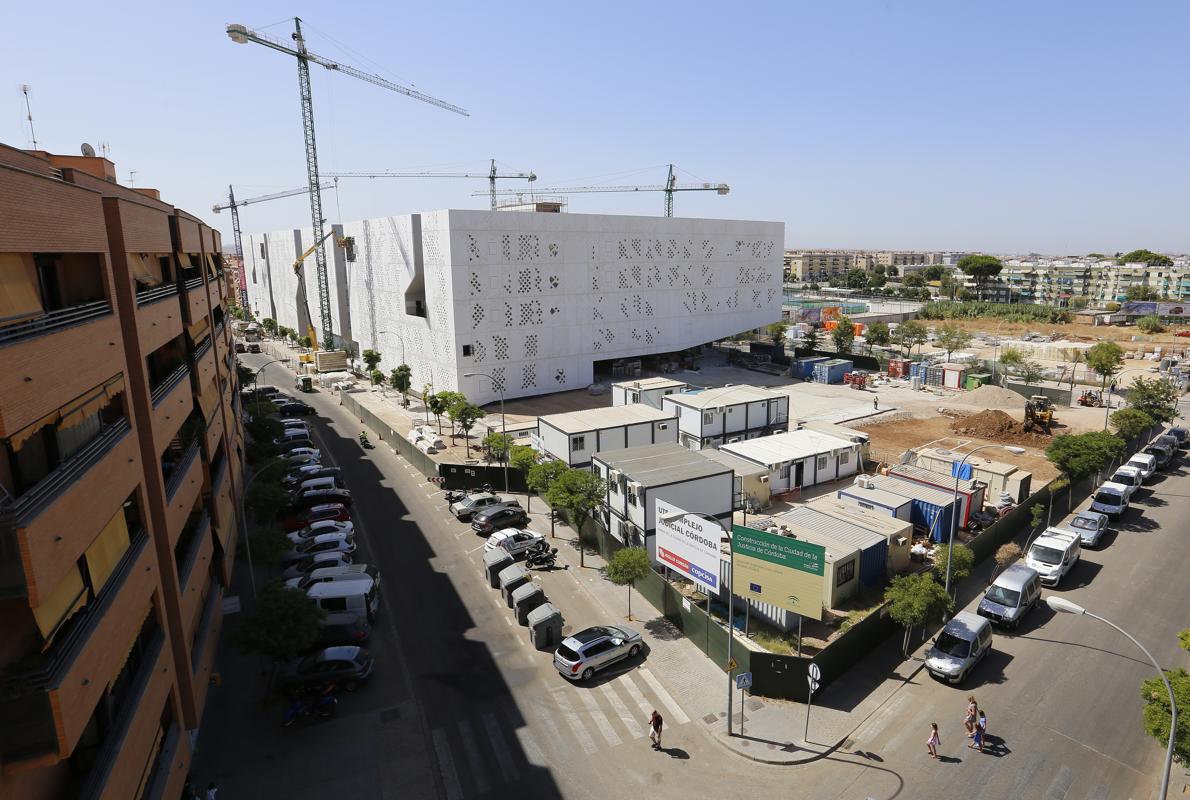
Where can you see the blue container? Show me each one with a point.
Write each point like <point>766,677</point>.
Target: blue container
<point>832,371</point>
<point>804,368</point>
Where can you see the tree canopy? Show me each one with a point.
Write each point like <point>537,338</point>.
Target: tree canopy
<point>1142,293</point>
<point>283,623</point>
<point>1157,716</point>
<point>627,566</point>
<point>1130,422</point>
<point>1150,323</point>
<point>1083,454</point>
<point>1105,358</point>
<point>915,598</point>
<point>542,476</point>
<point>401,379</point>
<point>843,335</point>
<point>960,566</point>
<point>372,358</point>
<point>578,493</point>
<point>951,337</point>
<point>878,335</point>
<point>777,331</point>
<point>1156,397</point>
<point>1145,257</point>
<point>909,335</point>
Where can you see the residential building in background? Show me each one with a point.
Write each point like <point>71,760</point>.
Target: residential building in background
<point>817,265</point>
<point>120,464</point>
<point>533,302</point>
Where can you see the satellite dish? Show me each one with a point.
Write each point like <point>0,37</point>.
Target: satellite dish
<point>88,150</point>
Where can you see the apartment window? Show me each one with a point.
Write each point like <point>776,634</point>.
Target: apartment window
<point>466,351</point>
<point>662,426</point>
<point>708,417</point>
<point>844,459</point>
<point>845,573</point>
<point>783,473</point>
<point>822,462</point>
<point>578,443</point>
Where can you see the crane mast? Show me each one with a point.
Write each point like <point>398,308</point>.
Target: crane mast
<point>670,186</point>
<point>235,229</point>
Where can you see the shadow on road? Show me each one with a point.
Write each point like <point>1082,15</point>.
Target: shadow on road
<point>1083,573</point>
<point>1088,647</point>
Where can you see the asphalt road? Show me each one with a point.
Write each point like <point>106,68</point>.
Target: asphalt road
<point>461,706</point>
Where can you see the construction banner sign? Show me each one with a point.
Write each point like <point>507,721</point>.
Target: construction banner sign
<point>779,570</point>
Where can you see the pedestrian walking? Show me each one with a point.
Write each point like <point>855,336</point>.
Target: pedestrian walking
<point>212,790</point>
<point>655,725</point>
<point>934,740</point>
<point>875,403</point>
<point>981,728</point>
<point>972,713</point>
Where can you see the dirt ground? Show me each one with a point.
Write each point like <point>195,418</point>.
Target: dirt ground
<point>1075,331</point>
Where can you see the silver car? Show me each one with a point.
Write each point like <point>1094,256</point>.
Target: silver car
<point>1090,526</point>
<point>582,655</point>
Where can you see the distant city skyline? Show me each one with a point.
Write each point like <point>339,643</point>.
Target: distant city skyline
<point>1012,128</point>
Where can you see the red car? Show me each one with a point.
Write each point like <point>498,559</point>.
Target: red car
<point>333,511</point>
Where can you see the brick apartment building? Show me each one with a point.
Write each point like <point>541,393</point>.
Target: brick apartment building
<point>120,464</point>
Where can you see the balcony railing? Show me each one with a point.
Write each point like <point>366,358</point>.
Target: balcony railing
<point>181,467</point>
<point>105,760</point>
<point>202,348</point>
<point>194,283</point>
<point>159,772</point>
<point>157,293</point>
<point>201,530</point>
<point>35,500</point>
<point>55,320</point>
<point>167,385</point>
<point>202,633</point>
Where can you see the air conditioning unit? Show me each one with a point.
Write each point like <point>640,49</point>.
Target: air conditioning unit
<point>764,478</point>
<point>865,482</point>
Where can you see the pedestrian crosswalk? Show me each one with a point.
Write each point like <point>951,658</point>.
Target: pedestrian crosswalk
<point>495,747</point>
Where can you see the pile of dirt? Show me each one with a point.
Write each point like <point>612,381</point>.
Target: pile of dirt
<point>991,397</point>
<point>997,426</point>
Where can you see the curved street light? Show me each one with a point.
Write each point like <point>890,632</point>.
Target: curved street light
<point>244,518</point>
<point>954,514</point>
<point>730,594</point>
<point>1107,399</point>
<point>1064,606</point>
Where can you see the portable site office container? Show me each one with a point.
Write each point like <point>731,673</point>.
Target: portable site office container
<point>971,492</point>
<point>804,367</point>
<point>878,500</point>
<point>953,375</point>
<point>832,371</point>
<point>873,561</point>
<point>997,475</point>
<point>897,532</point>
<point>932,509</point>
<point>840,579</point>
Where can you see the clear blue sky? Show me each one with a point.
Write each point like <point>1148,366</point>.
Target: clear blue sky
<point>1056,127</point>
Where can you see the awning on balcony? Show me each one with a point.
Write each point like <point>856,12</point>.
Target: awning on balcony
<point>146,270</point>
<point>91,403</point>
<point>19,297</point>
<point>108,548</point>
<point>60,604</point>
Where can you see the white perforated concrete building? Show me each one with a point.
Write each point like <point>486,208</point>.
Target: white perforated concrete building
<point>533,299</point>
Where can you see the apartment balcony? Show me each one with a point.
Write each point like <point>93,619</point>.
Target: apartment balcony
<point>225,507</point>
<point>197,576</point>
<point>48,698</point>
<point>203,644</point>
<point>35,377</point>
<point>167,775</point>
<point>157,322</point>
<point>214,433</point>
<point>183,485</point>
<point>172,403</point>
<point>204,362</point>
<point>196,299</point>
<point>46,517</point>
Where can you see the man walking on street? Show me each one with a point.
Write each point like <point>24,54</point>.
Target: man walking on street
<point>875,403</point>
<point>655,725</point>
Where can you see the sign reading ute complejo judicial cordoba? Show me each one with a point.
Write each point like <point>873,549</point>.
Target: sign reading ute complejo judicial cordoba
<point>689,545</point>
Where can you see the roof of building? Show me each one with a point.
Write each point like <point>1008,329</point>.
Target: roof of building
<point>839,431</point>
<point>878,496</point>
<point>723,396</point>
<point>657,382</point>
<point>907,488</point>
<point>880,523</point>
<point>596,419</point>
<point>935,478</point>
<point>976,462</point>
<point>740,466</point>
<point>660,464</point>
<point>835,527</point>
<point>788,446</point>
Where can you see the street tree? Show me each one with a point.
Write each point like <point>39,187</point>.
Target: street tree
<point>578,493</point>
<point>915,280</point>
<point>436,405</point>
<point>401,379</point>
<point>372,358</point>
<point>627,566</point>
<point>269,542</point>
<point>1150,323</point>
<point>245,375</point>
<point>1143,256</point>
<point>283,624</point>
<point>961,562</point>
<point>1005,555</point>
<point>522,458</point>
<point>1031,372</point>
<point>1157,397</point>
<point>263,499</point>
<point>497,445</point>
<point>1130,422</point>
<point>811,339</point>
<point>951,338</point>
<point>980,268</point>
<point>427,391</point>
<point>877,335</point>
<point>1106,359</point>
<point>1157,713</point>
<point>270,325</point>
<point>913,599</point>
<point>1084,454</point>
<point>777,331</point>
<point>909,335</point>
<point>541,477</point>
<point>1010,358</point>
<point>464,415</point>
<point>377,377</point>
<point>447,399</point>
<point>843,335</point>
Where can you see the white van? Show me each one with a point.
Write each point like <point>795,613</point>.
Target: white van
<point>1111,499</point>
<point>361,596</point>
<point>962,643</point>
<point>1015,591</point>
<point>1144,462</point>
<point>325,482</point>
<point>1054,553</point>
<point>1128,476</point>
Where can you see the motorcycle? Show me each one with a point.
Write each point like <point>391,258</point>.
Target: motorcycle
<point>542,559</point>
<point>323,704</point>
<point>455,495</point>
<point>363,441</point>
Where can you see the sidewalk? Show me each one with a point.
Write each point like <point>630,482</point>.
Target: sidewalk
<point>773,728</point>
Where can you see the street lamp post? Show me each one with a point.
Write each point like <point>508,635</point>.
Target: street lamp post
<point>1107,394</point>
<point>954,514</point>
<point>730,594</point>
<point>400,339</point>
<point>503,420</point>
<point>260,369</point>
<point>244,519</point>
<point>1064,606</point>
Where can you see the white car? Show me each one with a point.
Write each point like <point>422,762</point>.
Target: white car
<point>1147,464</point>
<point>338,572</point>
<point>320,543</point>
<point>472,504</point>
<point>313,562</point>
<point>320,527</point>
<point>313,452</point>
<point>516,541</point>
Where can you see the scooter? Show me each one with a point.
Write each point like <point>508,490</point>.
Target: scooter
<point>542,559</point>
<point>324,704</point>
<point>363,440</point>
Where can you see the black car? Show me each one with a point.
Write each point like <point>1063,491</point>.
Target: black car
<point>498,517</point>
<point>342,628</point>
<point>295,408</point>
<point>289,445</point>
<point>345,666</point>
<point>300,501</point>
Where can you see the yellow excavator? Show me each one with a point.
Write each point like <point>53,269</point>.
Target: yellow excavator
<point>1039,413</point>
<point>345,242</point>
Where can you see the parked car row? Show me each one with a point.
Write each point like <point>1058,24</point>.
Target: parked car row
<point>967,638</point>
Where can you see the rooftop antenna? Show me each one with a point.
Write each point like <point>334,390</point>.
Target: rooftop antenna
<point>29,113</point>
<point>131,178</point>
<point>104,149</point>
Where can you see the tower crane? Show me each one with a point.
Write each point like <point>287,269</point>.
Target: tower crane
<point>670,186</point>
<point>241,34</point>
<point>492,176</point>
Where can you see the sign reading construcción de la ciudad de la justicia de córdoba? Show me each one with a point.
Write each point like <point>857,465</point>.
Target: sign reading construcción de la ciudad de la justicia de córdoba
<point>779,570</point>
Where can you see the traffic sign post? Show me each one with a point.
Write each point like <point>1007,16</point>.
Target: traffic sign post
<point>813,674</point>
<point>743,681</point>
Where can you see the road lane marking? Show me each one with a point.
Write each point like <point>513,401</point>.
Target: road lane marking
<point>601,722</point>
<point>504,760</point>
<point>533,753</point>
<point>638,697</point>
<point>472,753</point>
<point>674,709</point>
<point>552,734</point>
<point>446,766</point>
<point>1061,783</point>
<point>576,726</point>
<point>1096,752</point>
<point>636,728</point>
<point>874,727</point>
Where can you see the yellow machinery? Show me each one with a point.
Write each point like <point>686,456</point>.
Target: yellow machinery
<point>1039,413</point>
